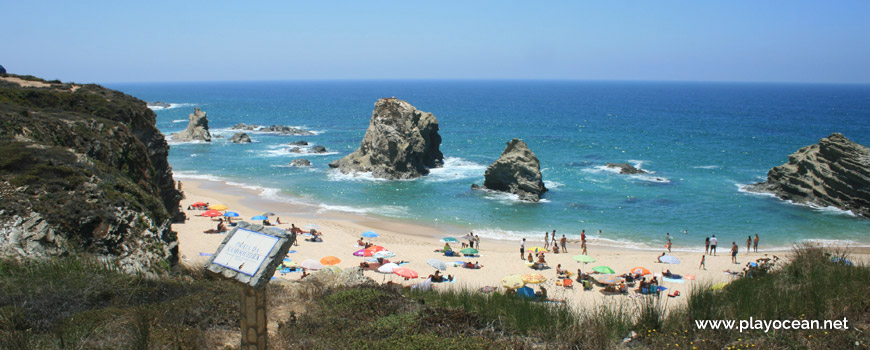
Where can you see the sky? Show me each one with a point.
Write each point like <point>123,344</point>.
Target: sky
<point>156,41</point>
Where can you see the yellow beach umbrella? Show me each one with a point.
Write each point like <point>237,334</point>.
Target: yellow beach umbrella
<point>537,250</point>
<point>534,278</point>
<point>218,207</point>
<point>513,282</point>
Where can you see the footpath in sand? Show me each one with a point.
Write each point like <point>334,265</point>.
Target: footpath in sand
<point>417,244</point>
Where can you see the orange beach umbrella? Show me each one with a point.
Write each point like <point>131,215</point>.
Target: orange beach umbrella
<point>330,260</point>
<point>640,271</point>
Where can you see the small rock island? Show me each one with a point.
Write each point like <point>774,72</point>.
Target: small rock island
<point>401,142</point>
<point>517,171</point>
<point>197,128</point>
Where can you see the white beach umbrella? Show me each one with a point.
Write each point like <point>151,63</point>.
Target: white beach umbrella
<point>387,268</point>
<point>311,264</point>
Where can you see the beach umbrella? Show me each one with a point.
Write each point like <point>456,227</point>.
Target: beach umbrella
<point>719,286</point>
<point>259,217</point>
<point>218,207</point>
<point>469,251</point>
<point>534,278</point>
<point>334,269</point>
<point>603,269</point>
<point>512,281</point>
<point>312,264</point>
<point>449,240</point>
<point>369,234</point>
<point>268,213</point>
<point>583,258</point>
<point>669,259</point>
<point>212,213</point>
<point>383,254</point>
<point>199,204</point>
<point>388,268</point>
<point>330,260</point>
<point>537,250</point>
<point>608,279</point>
<point>407,273</point>
<point>526,292</point>
<point>640,271</point>
<point>437,264</point>
<point>231,214</point>
<point>376,248</point>
<point>363,252</point>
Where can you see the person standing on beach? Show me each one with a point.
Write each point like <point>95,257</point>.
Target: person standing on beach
<point>707,246</point>
<point>669,246</point>
<point>755,243</point>
<point>583,236</point>
<point>734,252</point>
<point>554,238</point>
<point>583,246</point>
<point>477,241</point>
<point>564,241</point>
<point>546,240</point>
<point>748,243</point>
<point>523,249</point>
<point>713,242</point>
<point>703,262</point>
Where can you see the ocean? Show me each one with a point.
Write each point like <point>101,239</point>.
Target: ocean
<point>700,142</point>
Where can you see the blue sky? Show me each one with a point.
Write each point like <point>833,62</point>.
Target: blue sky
<point>118,41</point>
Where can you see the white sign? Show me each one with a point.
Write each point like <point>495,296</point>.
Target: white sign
<point>246,251</point>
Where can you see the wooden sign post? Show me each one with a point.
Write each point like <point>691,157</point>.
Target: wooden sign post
<point>249,255</point>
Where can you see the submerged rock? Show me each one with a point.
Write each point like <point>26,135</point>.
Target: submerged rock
<point>278,129</point>
<point>401,143</point>
<point>159,104</point>
<point>517,171</point>
<point>625,168</point>
<point>240,137</point>
<point>835,172</point>
<point>318,149</point>
<point>197,128</point>
<point>299,143</point>
<point>300,163</point>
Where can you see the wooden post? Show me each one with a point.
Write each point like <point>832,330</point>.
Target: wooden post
<point>253,318</point>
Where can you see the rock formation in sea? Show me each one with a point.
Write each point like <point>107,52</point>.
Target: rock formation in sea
<point>85,172</point>
<point>517,171</point>
<point>299,143</point>
<point>197,128</point>
<point>300,162</point>
<point>278,129</point>
<point>835,172</point>
<point>625,168</point>
<point>240,137</point>
<point>159,104</point>
<point>401,143</point>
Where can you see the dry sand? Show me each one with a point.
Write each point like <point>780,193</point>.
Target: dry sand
<point>416,244</point>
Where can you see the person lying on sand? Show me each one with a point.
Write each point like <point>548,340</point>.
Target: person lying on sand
<point>469,265</point>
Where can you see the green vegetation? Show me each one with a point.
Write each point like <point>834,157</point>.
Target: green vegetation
<point>82,304</point>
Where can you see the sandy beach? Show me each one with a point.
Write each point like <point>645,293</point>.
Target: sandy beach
<point>417,243</point>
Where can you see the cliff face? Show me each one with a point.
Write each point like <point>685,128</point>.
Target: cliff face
<point>83,170</point>
<point>400,143</point>
<point>517,171</point>
<point>835,172</point>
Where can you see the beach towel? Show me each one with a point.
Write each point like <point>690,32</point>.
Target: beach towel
<point>205,254</point>
<point>403,263</point>
<point>672,280</point>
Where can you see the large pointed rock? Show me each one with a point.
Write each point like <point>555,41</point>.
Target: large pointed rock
<point>835,172</point>
<point>517,171</point>
<point>400,143</point>
<point>197,128</point>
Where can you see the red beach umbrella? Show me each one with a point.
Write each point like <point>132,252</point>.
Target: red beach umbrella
<point>199,204</point>
<point>212,213</point>
<point>407,273</point>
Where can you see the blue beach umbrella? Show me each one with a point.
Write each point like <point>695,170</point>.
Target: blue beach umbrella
<point>231,214</point>
<point>370,234</point>
<point>449,240</point>
<point>259,217</point>
<point>526,292</point>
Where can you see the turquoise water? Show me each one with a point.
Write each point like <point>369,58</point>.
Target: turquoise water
<point>701,141</point>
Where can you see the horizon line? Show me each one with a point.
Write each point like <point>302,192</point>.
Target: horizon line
<point>483,80</point>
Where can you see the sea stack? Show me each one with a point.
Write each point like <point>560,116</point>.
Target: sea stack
<point>835,172</point>
<point>517,171</point>
<point>400,143</point>
<point>240,137</point>
<point>197,128</point>
<point>625,168</point>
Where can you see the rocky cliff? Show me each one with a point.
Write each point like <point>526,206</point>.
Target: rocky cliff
<point>400,143</point>
<point>835,172</point>
<point>517,171</point>
<point>83,170</point>
<point>197,128</point>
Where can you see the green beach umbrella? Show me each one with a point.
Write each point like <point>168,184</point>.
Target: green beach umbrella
<point>469,251</point>
<point>603,269</point>
<point>449,240</point>
<point>583,258</point>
